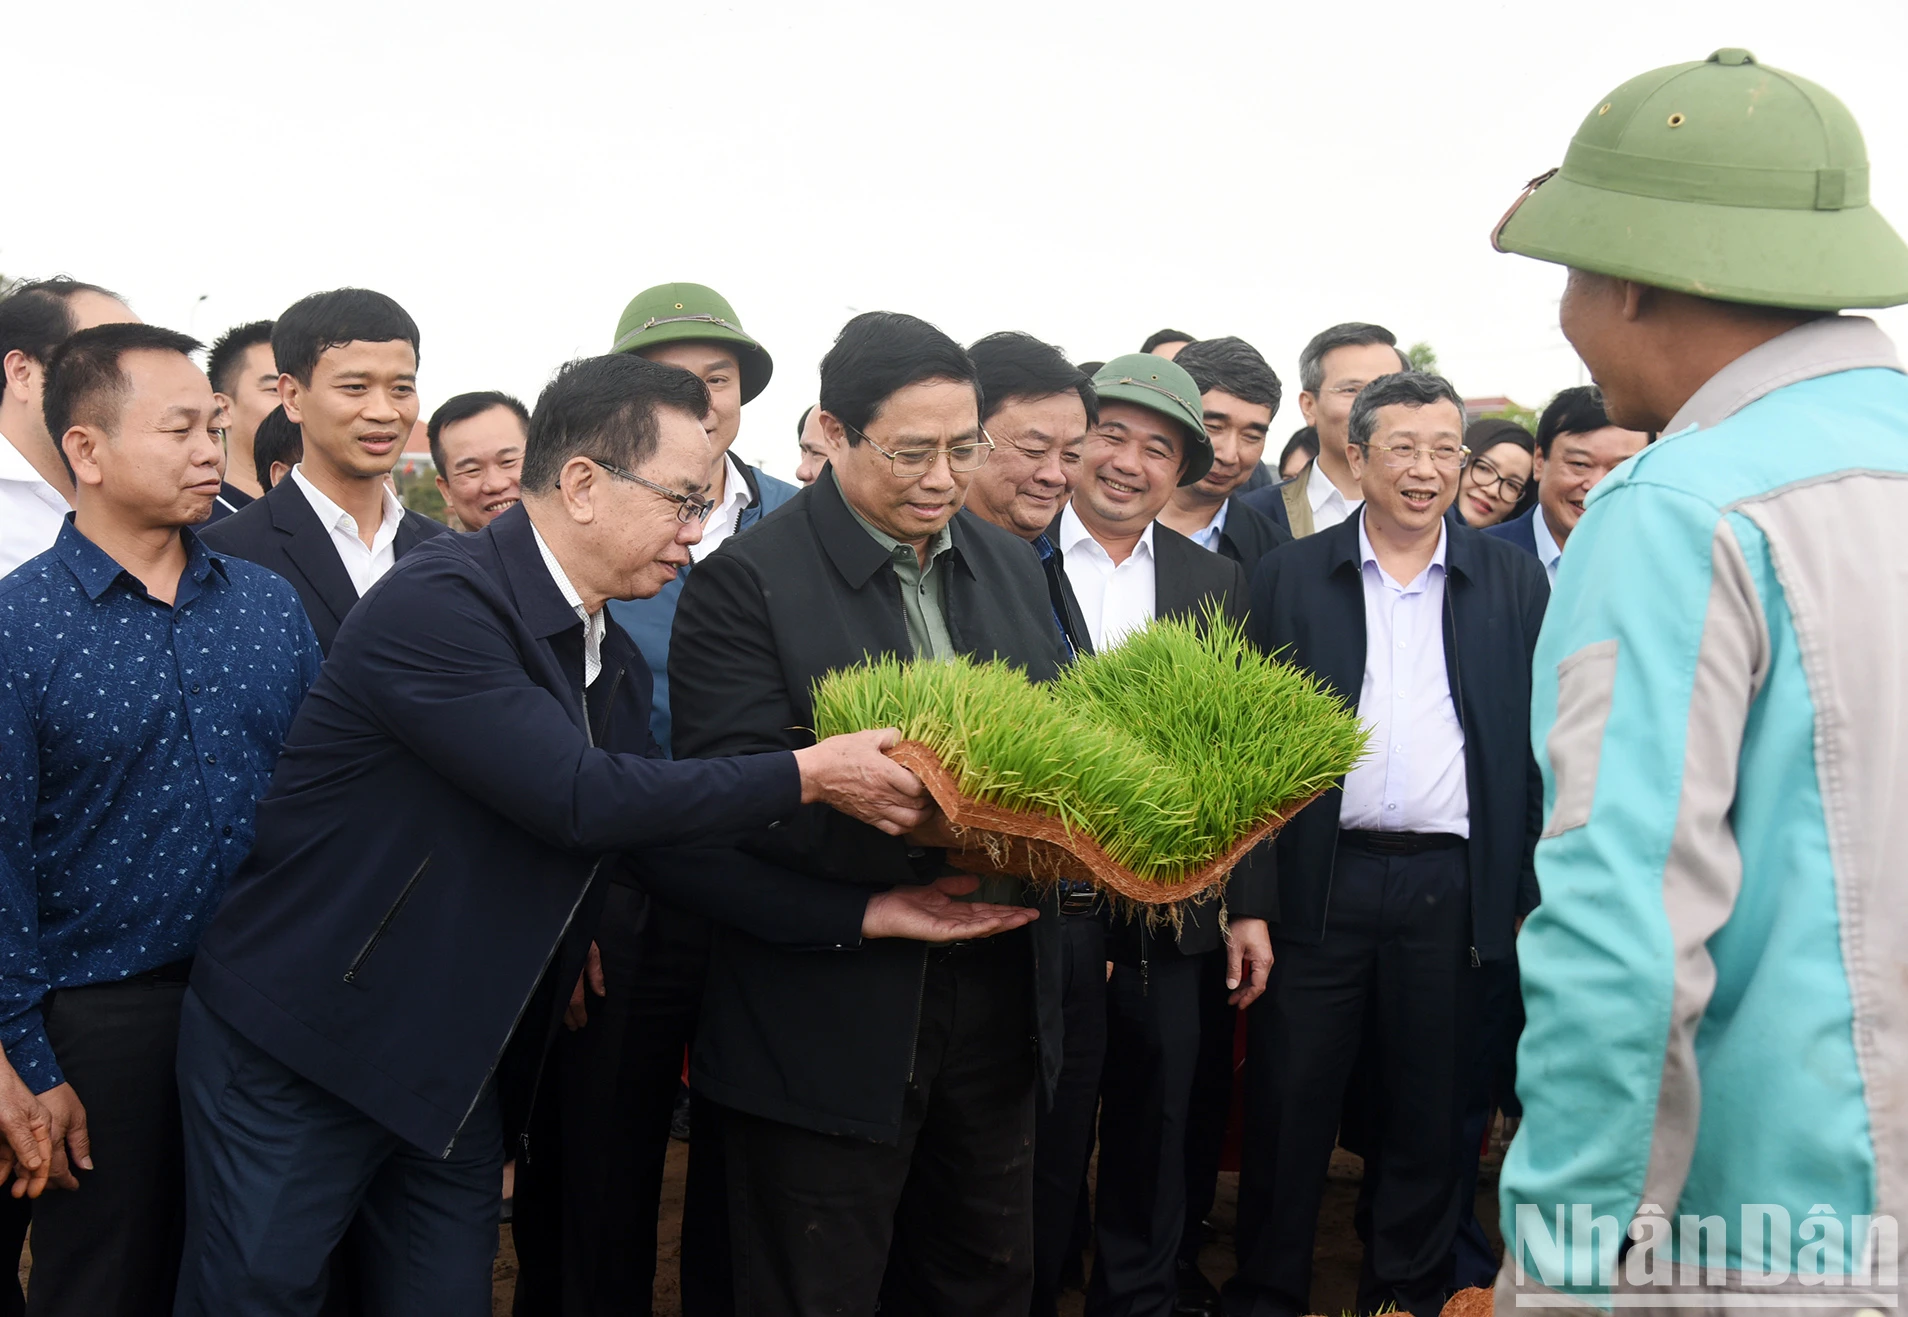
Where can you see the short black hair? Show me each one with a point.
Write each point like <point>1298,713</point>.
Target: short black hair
<point>1412,388</point>
<point>1577,410</point>
<point>35,317</point>
<point>1305,438</point>
<point>462,408</point>
<point>1233,366</point>
<point>330,320</point>
<point>1016,365</point>
<point>1159,336</point>
<point>801,422</point>
<point>228,353</point>
<point>605,407</point>
<point>879,353</point>
<point>84,382</point>
<point>278,440</point>
<point>1351,334</point>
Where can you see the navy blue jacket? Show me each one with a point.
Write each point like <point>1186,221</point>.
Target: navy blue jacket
<point>433,828</point>
<point>1308,606</point>
<point>1520,531</point>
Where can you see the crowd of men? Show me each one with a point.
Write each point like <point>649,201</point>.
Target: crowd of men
<point>361,875</point>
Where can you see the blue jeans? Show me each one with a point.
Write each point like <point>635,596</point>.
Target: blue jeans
<point>277,1168</point>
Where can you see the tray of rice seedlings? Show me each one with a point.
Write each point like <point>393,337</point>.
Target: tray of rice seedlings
<point>1149,770</point>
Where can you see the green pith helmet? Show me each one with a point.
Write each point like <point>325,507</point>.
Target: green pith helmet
<point>1162,386</point>
<point>691,313</point>
<point>1726,179</point>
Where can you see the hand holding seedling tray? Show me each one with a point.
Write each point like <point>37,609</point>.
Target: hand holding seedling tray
<point>1149,770</point>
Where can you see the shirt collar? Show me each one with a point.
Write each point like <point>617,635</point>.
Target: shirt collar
<point>1319,490</point>
<point>1073,533</point>
<point>1815,348</point>
<point>98,571</point>
<point>1368,556</point>
<point>561,577</point>
<point>939,543</point>
<point>14,466</point>
<point>1548,550</point>
<point>336,518</point>
<point>735,490</point>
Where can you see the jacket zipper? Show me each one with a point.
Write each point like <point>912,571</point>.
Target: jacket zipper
<point>384,925</point>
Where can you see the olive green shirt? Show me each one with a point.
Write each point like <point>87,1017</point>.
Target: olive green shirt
<point>923,605</point>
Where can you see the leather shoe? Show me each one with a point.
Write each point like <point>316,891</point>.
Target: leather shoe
<point>1197,1297</point>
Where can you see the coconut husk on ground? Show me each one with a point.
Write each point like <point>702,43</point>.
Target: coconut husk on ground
<point>1041,847</point>
<point>1468,1303</point>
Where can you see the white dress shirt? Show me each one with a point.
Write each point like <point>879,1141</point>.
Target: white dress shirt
<point>1549,552</point>
<point>723,517</point>
<point>1115,599</point>
<point>1329,507</point>
<point>365,566</point>
<point>30,510</point>
<point>1207,537</point>
<point>1412,778</point>
<point>593,624</point>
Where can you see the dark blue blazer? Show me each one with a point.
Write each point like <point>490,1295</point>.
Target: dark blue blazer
<point>1308,606</point>
<point>282,533</point>
<point>433,828</point>
<point>1269,502</point>
<point>1521,531</point>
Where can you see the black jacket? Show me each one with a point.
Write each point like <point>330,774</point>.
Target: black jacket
<point>825,1041</point>
<point>281,532</point>
<point>1249,534</point>
<point>429,839</point>
<point>1308,605</point>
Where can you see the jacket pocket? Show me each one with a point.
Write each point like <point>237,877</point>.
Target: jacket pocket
<point>384,924</point>
<point>1586,685</point>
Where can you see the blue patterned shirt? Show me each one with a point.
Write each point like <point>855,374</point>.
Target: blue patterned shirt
<point>136,738</point>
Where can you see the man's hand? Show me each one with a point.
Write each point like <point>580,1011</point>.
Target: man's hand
<point>851,774</point>
<point>1248,960</point>
<point>28,1128</point>
<point>931,914</point>
<point>935,830</point>
<point>577,1013</point>
<point>67,1135</point>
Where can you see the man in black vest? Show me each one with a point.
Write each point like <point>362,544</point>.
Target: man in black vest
<point>333,528</point>
<point>877,1101</point>
<point>1397,885</point>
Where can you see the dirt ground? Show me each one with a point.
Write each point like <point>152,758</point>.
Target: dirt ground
<point>1335,1267</point>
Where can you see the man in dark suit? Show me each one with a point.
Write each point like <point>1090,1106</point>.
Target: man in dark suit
<point>1127,568</point>
<point>1038,409</point>
<point>1395,886</point>
<point>1238,397</point>
<point>371,1004</point>
<point>348,363</point>
<point>877,1103</point>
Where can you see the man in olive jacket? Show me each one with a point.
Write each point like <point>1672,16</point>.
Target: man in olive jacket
<point>878,1095</point>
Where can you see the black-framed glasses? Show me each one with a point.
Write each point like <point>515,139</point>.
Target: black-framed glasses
<point>689,507</point>
<point>1485,475</point>
<point>913,463</point>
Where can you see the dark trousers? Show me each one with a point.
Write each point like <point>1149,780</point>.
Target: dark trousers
<point>277,1169</point>
<point>1397,938</point>
<point>1063,1132</point>
<point>111,1247</point>
<point>592,1192</point>
<point>939,1222</point>
<point>1211,1103</point>
<point>1153,1049</point>
<point>1491,1071</point>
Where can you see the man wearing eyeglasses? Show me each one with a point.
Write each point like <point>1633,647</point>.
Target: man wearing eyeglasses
<point>877,1101</point>
<point>370,1005</point>
<point>1397,884</point>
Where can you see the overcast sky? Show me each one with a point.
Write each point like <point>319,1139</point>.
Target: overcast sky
<point>513,173</point>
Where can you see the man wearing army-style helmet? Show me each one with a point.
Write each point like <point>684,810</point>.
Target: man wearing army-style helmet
<point>1714,981</point>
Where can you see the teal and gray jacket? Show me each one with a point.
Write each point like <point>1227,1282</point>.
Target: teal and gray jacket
<point>1717,979</point>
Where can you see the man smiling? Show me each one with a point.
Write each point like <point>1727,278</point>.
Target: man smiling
<point>477,446</point>
<point>332,528</point>
<point>1577,446</point>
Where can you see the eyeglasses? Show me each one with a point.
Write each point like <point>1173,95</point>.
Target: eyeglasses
<point>1485,475</point>
<point>689,507</point>
<point>1445,457</point>
<point>912,463</point>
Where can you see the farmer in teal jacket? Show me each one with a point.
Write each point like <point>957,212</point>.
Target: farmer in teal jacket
<point>1715,1069</point>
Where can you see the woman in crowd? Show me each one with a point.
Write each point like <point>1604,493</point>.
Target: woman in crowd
<point>1497,476</point>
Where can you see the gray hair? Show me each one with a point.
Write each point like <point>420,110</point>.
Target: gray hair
<point>1351,334</point>
<point>1233,366</point>
<point>1409,388</point>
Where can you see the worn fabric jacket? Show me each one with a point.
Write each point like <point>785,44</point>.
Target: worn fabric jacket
<point>1308,606</point>
<point>281,532</point>
<point>1715,983</point>
<point>434,825</point>
<point>1249,534</point>
<point>649,621</point>
<point>825,1040</point>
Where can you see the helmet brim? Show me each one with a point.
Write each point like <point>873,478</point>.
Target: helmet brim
<point>1198,442</point>
<point>1809,260</point>
<point>757,365</point>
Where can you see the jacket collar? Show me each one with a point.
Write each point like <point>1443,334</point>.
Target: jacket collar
<point>539,598</point>
<point>310,547</point>
<point>1460,546</point>
<point>856,554</point>
<point>1818,347</point>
